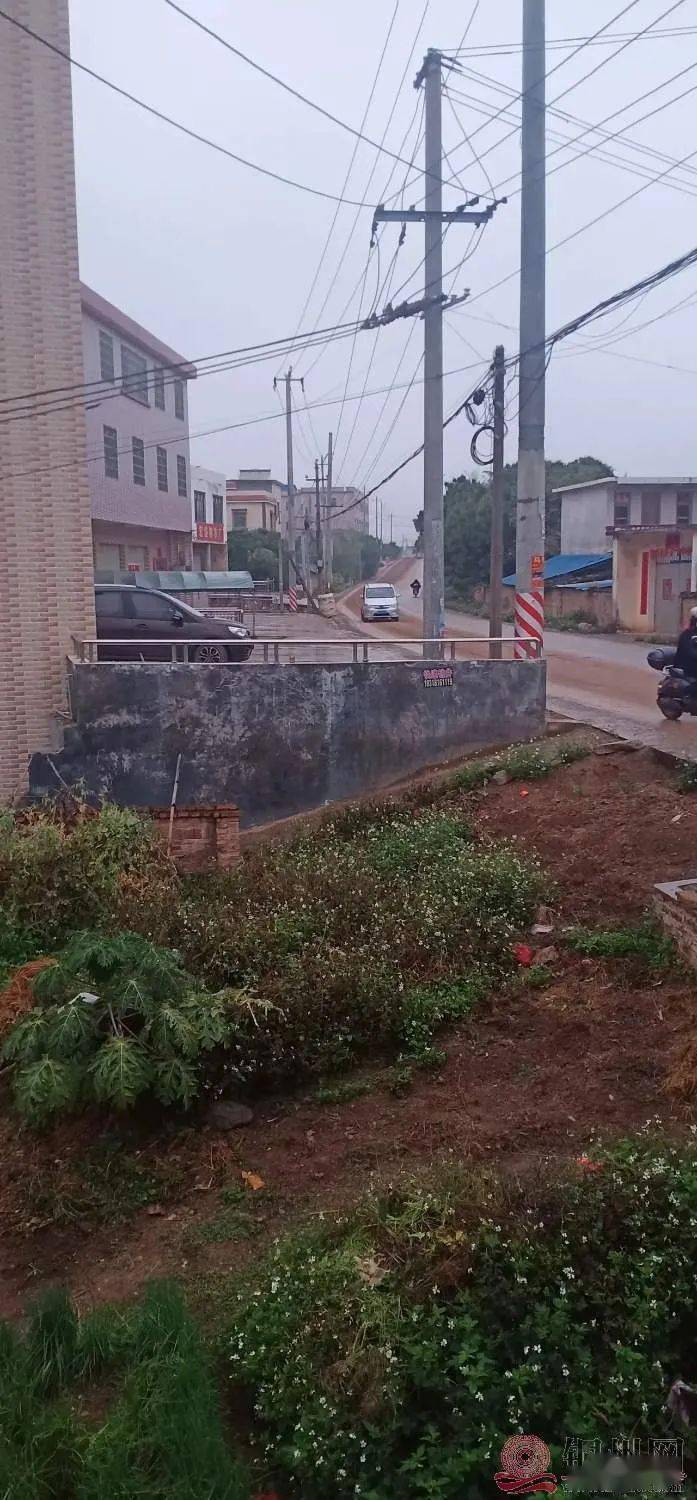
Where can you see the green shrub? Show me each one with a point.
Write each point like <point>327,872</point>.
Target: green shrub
<point>116,1019</point>
<point>160,1434</point>
<point>392,1354</point>
<point>56,877</point>
<point>646,943</point>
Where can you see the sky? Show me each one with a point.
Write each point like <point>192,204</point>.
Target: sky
<point>210,255</point>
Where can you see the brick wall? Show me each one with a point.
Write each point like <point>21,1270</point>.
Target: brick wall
<point>46,553</point>
<point>677,911</point>
<point>203,838</point>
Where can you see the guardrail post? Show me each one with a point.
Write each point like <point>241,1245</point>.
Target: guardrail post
<point>452,650</point>
<point>276,655</point>
<point>355,651</point>
<point>365,651</point>
<point>266,651</point>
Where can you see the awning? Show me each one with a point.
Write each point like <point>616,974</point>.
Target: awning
<point>179,582</point>
<point>568,565</point>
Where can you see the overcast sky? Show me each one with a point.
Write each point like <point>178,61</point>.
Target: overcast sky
<point>210,255</point>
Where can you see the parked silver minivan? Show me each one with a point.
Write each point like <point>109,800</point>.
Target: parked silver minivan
<point>380,602</point>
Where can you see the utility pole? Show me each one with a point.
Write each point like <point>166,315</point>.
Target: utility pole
<point>290,501</point>
<point>391,525</point>
<point>433,217</point>
<point>496,563</point>
<point>328,548</point>
<point>530,515</point>
<point>377,529</point>
<point>318,539</point>
<point>434,562</point>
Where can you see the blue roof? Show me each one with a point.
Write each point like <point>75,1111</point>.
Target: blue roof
<point>568,563</point>
<point>179,582</point>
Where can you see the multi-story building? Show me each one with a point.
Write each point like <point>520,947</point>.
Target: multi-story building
<point>255,501</point>
<point>349,509</point>
<point>650,527</point>
<point>208,519</point>
<point>138,443</point>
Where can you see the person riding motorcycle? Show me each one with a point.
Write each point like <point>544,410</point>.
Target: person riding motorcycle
<point>416,588</point>
<point>686,652</point>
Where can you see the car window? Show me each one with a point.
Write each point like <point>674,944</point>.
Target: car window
<point>110,604</point>
<point>151,606</point>
<point>380,592</point>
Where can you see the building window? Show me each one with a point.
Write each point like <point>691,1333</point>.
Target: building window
<point>106,356</point>
<point>683,513</point>
<point>179,399</point>
<point>650,508</point>
<point>111,453</point>
<point>134,375</point>
<point>162,483</point>
<point>158,377</point>
<point>138,448</point>
<point>217,510</point>
<point>199,505</point>
<point>239,520</point>
<point>621,515</point>
<point>181,475</point>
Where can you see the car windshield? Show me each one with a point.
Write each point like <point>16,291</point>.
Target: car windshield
<point>380,593</point>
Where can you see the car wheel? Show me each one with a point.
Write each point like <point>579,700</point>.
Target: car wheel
<point>671,708</point>
<point>213,655</point>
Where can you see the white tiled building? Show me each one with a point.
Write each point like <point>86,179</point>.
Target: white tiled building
<point>208,519</point>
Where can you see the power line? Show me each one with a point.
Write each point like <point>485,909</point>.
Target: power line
<point>512,49</point>
<point>598,149</point>
<point>94,388</point>
<point>159,114</point>
<point>349,170</point>
<point>295,93</point>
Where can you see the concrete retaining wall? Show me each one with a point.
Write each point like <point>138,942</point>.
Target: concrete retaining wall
<point>278,740</point>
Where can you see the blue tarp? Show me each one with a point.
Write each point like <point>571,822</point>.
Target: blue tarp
<point>569,563</point>
<point>177,582</point>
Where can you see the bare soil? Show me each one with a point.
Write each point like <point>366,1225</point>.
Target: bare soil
<point>534,1073</point>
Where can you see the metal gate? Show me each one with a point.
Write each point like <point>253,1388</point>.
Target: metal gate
<point>672,579</point>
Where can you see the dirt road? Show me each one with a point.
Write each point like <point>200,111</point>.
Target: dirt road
<point>602,679</point>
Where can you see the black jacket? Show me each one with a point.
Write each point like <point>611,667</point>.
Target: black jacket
<point>686,654</point>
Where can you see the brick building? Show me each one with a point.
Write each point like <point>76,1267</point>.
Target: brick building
<point>138,443</point>
<point>46,556</point>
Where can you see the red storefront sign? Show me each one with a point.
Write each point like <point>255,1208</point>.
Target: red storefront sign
<point>210,531</point>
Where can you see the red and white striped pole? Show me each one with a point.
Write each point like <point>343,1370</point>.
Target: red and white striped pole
<point>292,597</point>
<point>529,618</point>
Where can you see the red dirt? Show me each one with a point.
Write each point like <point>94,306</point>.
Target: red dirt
<point>531,1074</point>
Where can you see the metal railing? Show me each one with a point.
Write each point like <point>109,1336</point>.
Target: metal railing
<point>289,649</point>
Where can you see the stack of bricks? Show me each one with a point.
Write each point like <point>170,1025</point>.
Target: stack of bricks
<point>203,838</point>
<point>676,906</point>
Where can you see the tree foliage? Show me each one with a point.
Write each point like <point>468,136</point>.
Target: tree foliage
<point>468,520</point>
<point>116,1019</point>
<point>254,552</point>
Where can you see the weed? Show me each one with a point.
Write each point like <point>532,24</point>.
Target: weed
<point>232,1223</point>
<point>161,1435</point>
<point>391,1352</point>
<point>399,1079</point>
<point>342,1092</point>
<point>646,943</point>
<point>106,1185</point>
<point>687,776</point>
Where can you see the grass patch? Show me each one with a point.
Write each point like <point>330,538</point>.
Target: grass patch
<point>343,1091</point>
<point>148,1424</point>
<point>391,1353</point>
<point>232,1223</point>
<point>518,763</point>
<point>646,943</point>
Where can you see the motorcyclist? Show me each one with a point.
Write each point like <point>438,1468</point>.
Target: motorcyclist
<point>686,652</point>
<point>416,589</point>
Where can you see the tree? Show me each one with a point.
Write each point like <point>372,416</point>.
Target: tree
<point>254,552</point>
<point>468,520</point>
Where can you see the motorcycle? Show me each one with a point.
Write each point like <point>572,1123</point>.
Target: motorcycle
<point>677,693</point>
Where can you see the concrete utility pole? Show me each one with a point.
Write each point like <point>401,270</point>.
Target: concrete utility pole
<point>328,550</point>
<point>496,563</point>
<point>290,501</point>
<point>530,517</point>
<point>318,508</point>
<point>433,218</point>
<point>434,565</point>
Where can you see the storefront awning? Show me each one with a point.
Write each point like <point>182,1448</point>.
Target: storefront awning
<point>179,582</point>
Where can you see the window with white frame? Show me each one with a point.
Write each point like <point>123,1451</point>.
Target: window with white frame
<point>162,480</point>
<point>199,506</point>
<point>182,487</point>
<point>134,375</point>
<point>106,356</point>
<point>111,453</point>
